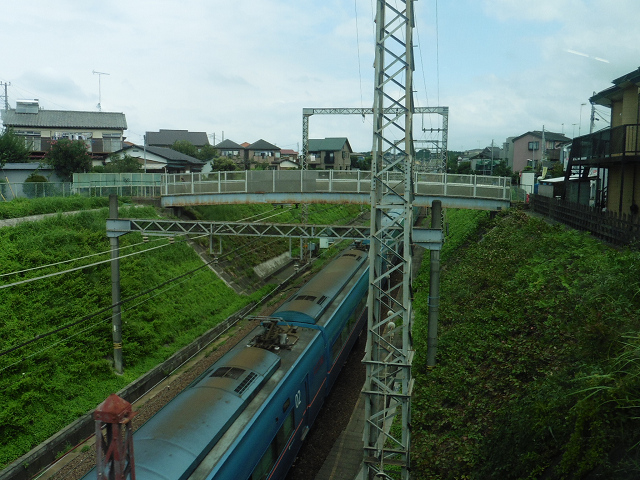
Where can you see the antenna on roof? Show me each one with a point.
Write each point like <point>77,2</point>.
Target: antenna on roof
<point>99,89</point>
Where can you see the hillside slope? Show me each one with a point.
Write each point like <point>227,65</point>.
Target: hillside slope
<point>538,358</point>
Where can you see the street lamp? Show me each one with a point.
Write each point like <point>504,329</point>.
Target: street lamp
<point>580,124</point>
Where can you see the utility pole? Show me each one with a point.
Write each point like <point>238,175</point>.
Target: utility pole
<point>6,97</point>
<point>115,288</point>
<point>491,169</point>
<point>593,116</point>
<point>99,88</point>
<point>144,139</point>
<point>543,148</point>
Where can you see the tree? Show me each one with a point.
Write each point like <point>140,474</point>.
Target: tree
<point>68,157</point>
<point>222,164</point>
<point>207,153</point>
<point>34,185</point>
<point>117,164</point>
<point>557,170</point>
<point>186,147</point>
<point>12,148</point>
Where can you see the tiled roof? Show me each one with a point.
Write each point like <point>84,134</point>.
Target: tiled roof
<point>168,154</point>
<point>606,96</point>
<point>169,137</point>
<point>548,136</point>
<point>65,119</point>
<point>327,144</point>
<point>229,145</point>
<point>262,145</point>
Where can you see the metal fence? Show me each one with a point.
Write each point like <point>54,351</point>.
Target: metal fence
<point>612,227</point>
<point>123,184</point>
<point>333,181</point>
<point>11,190</point>
<point>258,181</point>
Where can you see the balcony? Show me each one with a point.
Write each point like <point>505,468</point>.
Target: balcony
<point>607,147</point>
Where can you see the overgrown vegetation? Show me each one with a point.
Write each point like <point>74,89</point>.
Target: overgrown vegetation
<point>119,164</point>
<point>13,148</point>
<point>46,384</point>
<point>538,371</point>
<point>23,207</point>
<point>68,157</point>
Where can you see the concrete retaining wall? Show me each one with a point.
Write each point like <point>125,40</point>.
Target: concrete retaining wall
<point>271,266</point>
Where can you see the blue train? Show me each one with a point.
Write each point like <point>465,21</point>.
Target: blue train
<point>246,417</point>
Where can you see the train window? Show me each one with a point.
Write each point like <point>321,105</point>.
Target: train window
<point>286,405</point>
<point>276,447</point>
<point>228,372</point>
<point>322,299</point>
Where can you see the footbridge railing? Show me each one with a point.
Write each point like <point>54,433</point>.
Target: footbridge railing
<point>330,186</point>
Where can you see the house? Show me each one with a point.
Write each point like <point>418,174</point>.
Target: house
<point>483,162</point>
<point>230,149</point>
<point>102,132</point>
<point>614,151</point>
<point>284,164</point>
<point>289,154</point>
<point>162,159</point>
<point>166,138</point>
<point>329,154</point>
<point>261,152</point>
<point>529,148</point>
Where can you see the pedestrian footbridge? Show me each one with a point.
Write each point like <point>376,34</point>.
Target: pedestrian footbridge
<point>330,186</point>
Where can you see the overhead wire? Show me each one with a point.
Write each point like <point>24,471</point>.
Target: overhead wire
<point>122,302</point>
<point>71,260</point>
<point>110,317</point>
<point>121,248</point>
<point>102,310</point>
<point>36,95</point>
<point>55,274</point>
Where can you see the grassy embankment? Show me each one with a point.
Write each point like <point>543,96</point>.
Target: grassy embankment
<point>49,383</point>
<point>538,371</point>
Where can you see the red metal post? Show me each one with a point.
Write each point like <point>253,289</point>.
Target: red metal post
<point>114,454</point>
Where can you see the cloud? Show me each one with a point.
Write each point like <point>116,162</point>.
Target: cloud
<point>538,11</point>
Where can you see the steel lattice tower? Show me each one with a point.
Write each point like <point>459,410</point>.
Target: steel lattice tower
<point>389,350</point>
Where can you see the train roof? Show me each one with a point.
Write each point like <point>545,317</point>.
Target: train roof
<point>308,303</point>
<point>216,399</point>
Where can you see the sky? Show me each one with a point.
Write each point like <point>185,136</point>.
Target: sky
<point>244,69</point>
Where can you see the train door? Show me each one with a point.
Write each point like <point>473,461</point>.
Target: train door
<point>282,450</point>
<point>301,415</point>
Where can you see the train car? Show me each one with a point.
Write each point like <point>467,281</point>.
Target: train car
<point>246,417</point>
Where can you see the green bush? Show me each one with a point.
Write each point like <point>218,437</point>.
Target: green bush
<point>33,186</point>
